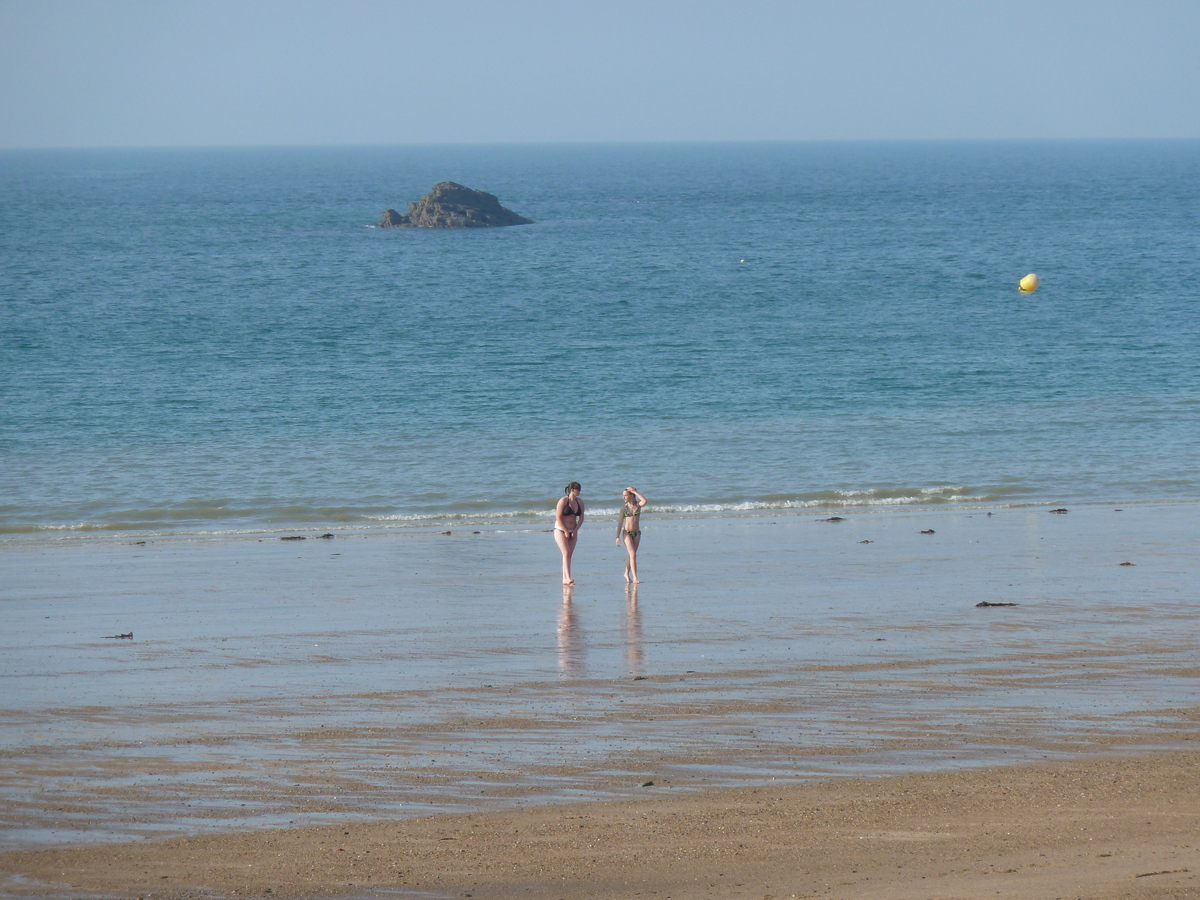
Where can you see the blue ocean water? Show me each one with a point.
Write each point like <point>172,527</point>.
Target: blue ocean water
<point>218,340</point>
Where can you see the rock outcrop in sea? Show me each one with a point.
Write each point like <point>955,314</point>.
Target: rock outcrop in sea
<point>450,205</point>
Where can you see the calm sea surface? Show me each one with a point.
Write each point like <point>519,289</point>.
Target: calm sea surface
<point>218,340</point>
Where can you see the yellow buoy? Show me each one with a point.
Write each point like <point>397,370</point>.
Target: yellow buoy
<point>1029,284</point>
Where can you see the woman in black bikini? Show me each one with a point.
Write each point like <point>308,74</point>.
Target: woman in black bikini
<point>568,516</point>
<point>629,530</point>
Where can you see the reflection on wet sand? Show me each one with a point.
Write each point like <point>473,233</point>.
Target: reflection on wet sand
<point>570,641</point>
<point>572,644</point>
<point>633,631</point>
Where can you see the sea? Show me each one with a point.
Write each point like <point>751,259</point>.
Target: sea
<point>222,341</point>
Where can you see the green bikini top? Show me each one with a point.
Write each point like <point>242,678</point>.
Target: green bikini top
<point>626,514</point>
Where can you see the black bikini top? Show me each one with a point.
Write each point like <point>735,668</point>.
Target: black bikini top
<point>569,509</point>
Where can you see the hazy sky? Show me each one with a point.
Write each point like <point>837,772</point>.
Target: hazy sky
<point>184,72</point>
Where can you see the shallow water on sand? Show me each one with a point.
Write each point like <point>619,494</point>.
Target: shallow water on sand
<point>274,681</point>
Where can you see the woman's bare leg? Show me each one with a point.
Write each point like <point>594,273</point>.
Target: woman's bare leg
<point>567,546</point>
<point>631,547</point>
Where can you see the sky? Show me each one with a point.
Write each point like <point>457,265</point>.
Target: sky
<point>129,73</point>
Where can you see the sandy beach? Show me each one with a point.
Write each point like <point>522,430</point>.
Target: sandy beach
<point>822,708</point>
<point>1101,828</point>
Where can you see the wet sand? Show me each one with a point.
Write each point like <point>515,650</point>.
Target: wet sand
<point>390,684</point>
<point>1101,828</point>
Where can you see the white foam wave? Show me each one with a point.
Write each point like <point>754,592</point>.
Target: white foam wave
<point>212,519</point>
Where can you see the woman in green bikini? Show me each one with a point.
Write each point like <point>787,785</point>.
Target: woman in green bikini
<point>629,530</point>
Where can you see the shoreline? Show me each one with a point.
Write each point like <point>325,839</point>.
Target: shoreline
<point>1099,828</point>
<point>58,535</point>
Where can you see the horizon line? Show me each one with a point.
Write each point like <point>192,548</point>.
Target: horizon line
<point>607,143</point>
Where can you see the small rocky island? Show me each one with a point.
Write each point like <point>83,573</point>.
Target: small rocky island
<point>450,205</point>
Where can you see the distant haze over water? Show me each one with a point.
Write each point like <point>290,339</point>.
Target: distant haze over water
<point>217,340</point>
